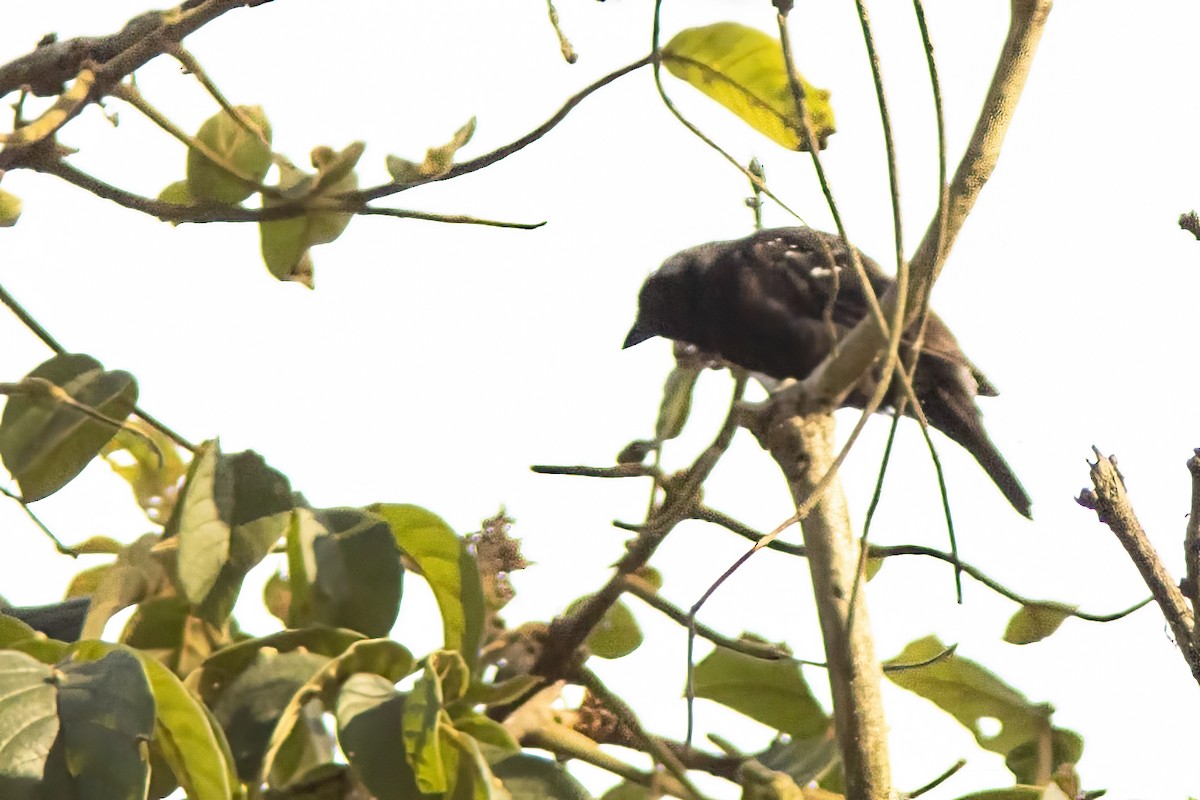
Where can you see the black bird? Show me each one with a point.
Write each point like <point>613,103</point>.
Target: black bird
<point>775,303</point>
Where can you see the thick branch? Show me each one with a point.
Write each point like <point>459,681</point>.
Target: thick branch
<point>1112,506</point>
<point>864,343</point>
<point>804,448</point>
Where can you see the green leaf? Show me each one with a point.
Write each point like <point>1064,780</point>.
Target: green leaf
<point>369,716</point>
<point>473,776</point>
<point>970,693</point>
<point>285,243</point>
<point>136,575</point>
<point>1035,621</point>
<point>188,740</point>
<point>302,565</point>
<point>178,194</point>
<point>422,740</point>
<point>771,692</point>
<point>232,510</point>
<point>444,561</point>
<point>486,731</point>
<point>804,760</point>
<point>334,167</point>
<point>438,160</point>
<point>157,627</point>
<point>106,712</point>
<point>45,442</point>
<point>529,777</point>
<point>10,209</point>
<point>247,154</point>
<point>359,578</point>
<point>676,402</point>
<point>743,69</point>
<point>28,721</point>
<point>616,635</point>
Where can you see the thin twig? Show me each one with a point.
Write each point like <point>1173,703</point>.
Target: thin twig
<point>192,65</point>
<point>707,514</point>
<point>939,780</point>
<point>656,56</point>
<point>501,153</point>
<point>62,548</point>
<point>750,647</point>
<point>41,333</point>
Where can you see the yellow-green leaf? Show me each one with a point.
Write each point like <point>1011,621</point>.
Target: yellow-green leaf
<point>743,69</point>
<point>10,209</point>
<point>246,154</point>
<point>1035,621</point>
<point>438,160</point>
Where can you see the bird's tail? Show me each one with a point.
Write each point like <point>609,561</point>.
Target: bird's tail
<point>956,415</point>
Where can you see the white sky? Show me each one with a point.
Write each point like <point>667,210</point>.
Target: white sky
<point>434,364</point>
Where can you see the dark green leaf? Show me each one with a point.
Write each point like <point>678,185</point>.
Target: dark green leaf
<point>28,721</point>
<point>771,692</point>
<point>743,69</point>
<point>358,577</point>
<point>1066,747</point>
<point>369,714</point>
<point>249,708</point>
<point>449,567</point>
<point>45,442</point>
<point>106,712</point>
<point>1035,621</point>
<point>970,693</point>
<point>805,760</point>
<point>232,511</point>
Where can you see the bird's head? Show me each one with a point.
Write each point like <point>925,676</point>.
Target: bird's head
<point>667,301</point>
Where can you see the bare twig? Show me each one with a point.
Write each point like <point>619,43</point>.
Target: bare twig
<point>939,780</point>
<point>750,647</point>
<point>1191,543</point>
<point>803,447</point>
<point>567,633</point>
<point>1114,510</point>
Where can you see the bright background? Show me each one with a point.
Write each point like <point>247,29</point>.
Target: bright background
<point>434,364</point>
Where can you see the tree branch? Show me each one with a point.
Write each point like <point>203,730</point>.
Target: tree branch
<point>804,448</point>
<point>1112,507</point>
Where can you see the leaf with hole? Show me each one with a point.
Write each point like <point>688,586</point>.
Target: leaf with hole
<point>971,694</point>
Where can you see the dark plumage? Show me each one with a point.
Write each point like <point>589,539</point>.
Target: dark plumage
<point>761,303</point>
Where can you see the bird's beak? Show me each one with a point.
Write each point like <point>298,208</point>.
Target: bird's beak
<point>636,335</point>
